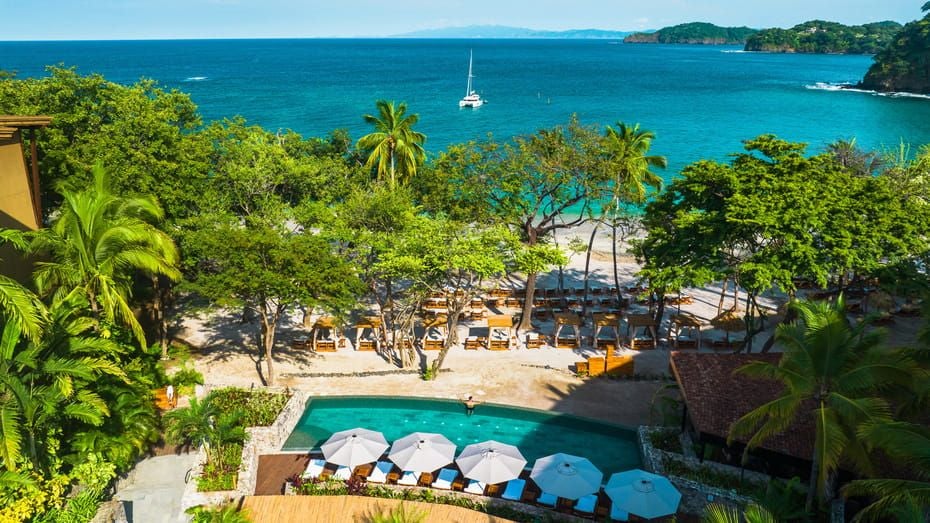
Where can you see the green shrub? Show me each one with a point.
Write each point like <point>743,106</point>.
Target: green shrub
<point>667,440</point>
<point>222,470</point>
<point>186,377</point>
<point>259,408</point>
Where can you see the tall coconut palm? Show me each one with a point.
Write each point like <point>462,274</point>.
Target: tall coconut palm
<point>97,243</point>
<point>394,147</point>
<point>896,499</point>
<point>627,158</point>
<point>831,372</point>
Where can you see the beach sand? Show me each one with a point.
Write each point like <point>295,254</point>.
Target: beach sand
<point>542,378</point>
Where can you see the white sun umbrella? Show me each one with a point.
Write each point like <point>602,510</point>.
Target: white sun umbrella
<point>422,452</point>
<point>491,462</point>
<point>354,447</point>
<point>566,476</point>
<point>643,494</point>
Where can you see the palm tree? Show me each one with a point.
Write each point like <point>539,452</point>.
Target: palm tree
<point>831,371</point>
<point>897,499</point>
<point>394,147</point>
<point>627,157</point>
<point>97,243</point>
<point>848,154</point>
<point>48,383</point>
<point>717,513</point>
<point>191,425</point>
<point>18,304</point>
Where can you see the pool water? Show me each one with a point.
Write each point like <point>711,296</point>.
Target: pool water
<point>536,433</point>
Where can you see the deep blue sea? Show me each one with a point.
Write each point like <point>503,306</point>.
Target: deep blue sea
<point>701,101</point>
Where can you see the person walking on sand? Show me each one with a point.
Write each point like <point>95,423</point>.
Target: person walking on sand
<point>470,404</point>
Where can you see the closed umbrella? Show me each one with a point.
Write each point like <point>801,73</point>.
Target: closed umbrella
<point>422,452</point>
<point>351,448</point>
<point>491,462</point>
<point>566,476</point>
<point>643,494</point>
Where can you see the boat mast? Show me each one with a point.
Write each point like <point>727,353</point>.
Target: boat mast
<point>468,88</point>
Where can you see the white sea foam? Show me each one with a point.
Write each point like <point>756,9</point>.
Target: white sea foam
<point>736,51</point>
<point>195,78</point>
<point>848,87</point>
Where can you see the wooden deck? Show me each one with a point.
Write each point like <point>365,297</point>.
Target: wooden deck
<point>305,509</point>
<point>274,469</point>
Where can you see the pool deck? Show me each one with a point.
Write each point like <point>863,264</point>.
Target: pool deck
<point>288,509</point>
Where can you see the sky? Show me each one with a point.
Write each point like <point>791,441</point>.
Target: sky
<point>156,19</point>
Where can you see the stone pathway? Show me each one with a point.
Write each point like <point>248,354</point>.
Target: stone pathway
<point>152,492</point>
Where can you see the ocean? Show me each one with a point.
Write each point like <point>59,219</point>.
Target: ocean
<point>701,101</point>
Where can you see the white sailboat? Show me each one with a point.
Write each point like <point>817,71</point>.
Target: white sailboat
<point>471,97</point>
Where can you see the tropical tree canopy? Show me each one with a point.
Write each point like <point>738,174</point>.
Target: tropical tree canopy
<point>96,243</point>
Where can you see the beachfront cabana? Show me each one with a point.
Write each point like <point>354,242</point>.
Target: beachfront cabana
<point>606,330</point>
<point>685,331</point>
<point>500,331</point>
<point>434,332</point>
<point>641,330</point>
<point>324,334</point>
<point>730,320</point>
<point>567,319</point>
<point>368,334</point>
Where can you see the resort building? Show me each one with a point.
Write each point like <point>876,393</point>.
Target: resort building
<point>20,197</point>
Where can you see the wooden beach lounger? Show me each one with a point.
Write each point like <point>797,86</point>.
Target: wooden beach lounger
<point>380,473</point>
<point>548,500</point>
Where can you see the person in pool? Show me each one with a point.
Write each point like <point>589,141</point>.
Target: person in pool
<point>470,404</point>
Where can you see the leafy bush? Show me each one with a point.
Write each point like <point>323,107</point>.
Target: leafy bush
<point>398,514</point>
<point>667,440</point>
<point>714,478</point>
<point>222,468</point>
<point>227,514</point>
<point>259,408</point>
<point>186,377</point>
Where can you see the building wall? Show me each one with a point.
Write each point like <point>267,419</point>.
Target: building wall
<point>16,208</point>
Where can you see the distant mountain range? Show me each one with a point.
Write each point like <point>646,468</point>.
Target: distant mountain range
<point>502,31</point>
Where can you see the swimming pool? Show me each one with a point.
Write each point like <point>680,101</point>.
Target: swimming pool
<point>536,433</point>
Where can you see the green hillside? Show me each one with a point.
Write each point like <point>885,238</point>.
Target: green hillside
<point>693,33</point>
<point>818,36</point>
<point>904,65</point>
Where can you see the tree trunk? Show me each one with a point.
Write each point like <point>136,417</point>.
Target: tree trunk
<point>269,323</point>
<point>613,254</point>
<point>526,322</point>
<point>452,324</point>
<point>587,268</point>
<point>813,483</point>
<point>161,320</point>
<point>659,312</point>
<point>723,295</point>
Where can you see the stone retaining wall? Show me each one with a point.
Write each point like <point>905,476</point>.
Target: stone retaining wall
<point>695,495</point>
<point>260,440</point>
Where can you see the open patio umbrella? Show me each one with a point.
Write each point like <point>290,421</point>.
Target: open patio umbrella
<point>354,447</point>
<point>491,462</point>
<point>422,452</point>
<point>566,476</point>
<point>643,494</point>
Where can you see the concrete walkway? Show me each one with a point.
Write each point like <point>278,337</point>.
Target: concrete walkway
<point>152,492</point>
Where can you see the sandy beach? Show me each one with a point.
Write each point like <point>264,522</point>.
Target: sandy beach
<point>542,378</point>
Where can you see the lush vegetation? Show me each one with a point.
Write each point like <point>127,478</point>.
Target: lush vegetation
<point>693,33</point>
<point>903,65</point>
<point>218,423</point>
<point>818,36</point>
<point>271,223</point>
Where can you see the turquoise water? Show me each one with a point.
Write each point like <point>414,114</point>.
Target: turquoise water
<point>702,101</point>
<point>535,433</point>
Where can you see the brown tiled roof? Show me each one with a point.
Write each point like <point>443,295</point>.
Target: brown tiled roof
<point>716,397</point>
